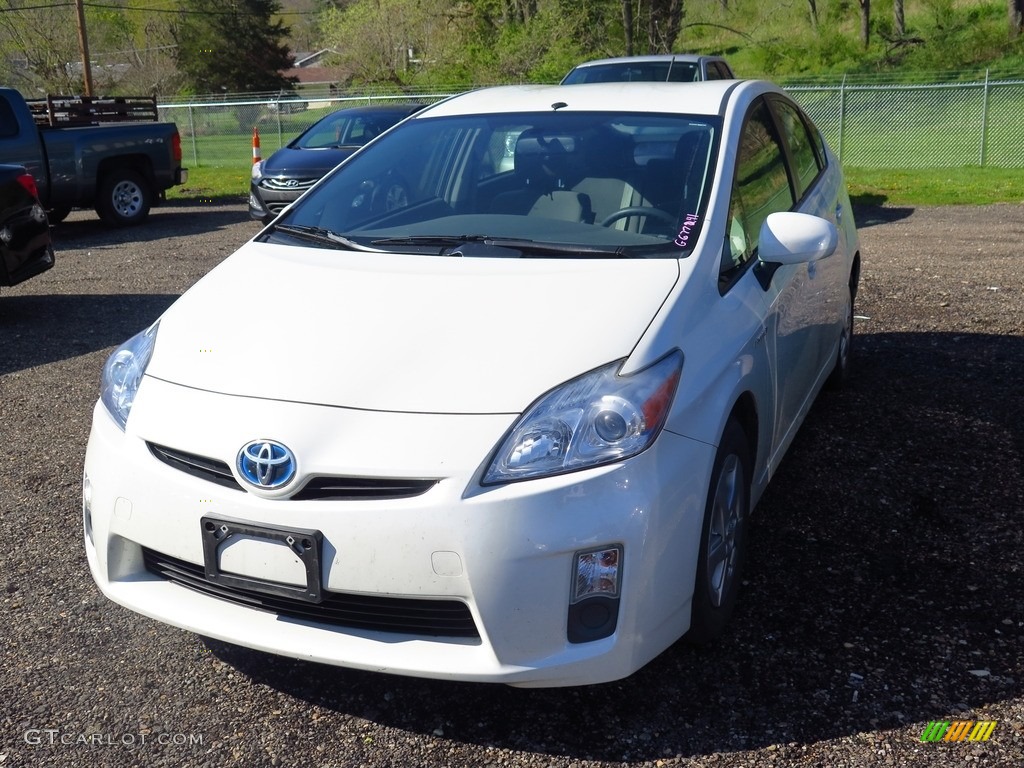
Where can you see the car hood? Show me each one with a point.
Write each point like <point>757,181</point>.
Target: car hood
<point>305,163</point>
<point>391,332</point>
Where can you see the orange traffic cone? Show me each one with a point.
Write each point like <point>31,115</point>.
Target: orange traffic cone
<point>256,146</point>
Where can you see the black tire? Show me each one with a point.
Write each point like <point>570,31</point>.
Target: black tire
<point>841,370</point>
<point>723,538</point>
<point>57,215</point>
<point>124,198</point>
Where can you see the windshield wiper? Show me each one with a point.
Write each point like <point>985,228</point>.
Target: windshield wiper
<point>532,247</point>
<point>321,235</point>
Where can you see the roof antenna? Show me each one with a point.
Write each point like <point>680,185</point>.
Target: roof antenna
<point>558,105</point>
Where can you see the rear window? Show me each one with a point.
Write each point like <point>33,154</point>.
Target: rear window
<point>626,72</point>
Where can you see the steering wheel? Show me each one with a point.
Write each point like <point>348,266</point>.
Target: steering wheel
<point>391,195</point>
<point>638,210</point>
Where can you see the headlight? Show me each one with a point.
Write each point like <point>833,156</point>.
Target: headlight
<point>598,418</point>
<point>257,171</point>
<point>122,373</point>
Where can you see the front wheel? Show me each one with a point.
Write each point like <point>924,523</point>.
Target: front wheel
<point>723,539</point>
<point>841,370</point>
<point>124,198</point>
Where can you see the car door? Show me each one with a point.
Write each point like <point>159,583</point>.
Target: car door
<point>763,185</point>
<point>819,192</point>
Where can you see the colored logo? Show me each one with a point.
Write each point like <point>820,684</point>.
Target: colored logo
<point>266,464</point>
<point>959,730</point>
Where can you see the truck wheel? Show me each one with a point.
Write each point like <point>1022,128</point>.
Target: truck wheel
<point>124,198</point>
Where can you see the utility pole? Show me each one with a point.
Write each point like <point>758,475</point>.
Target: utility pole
<point>83,41</point>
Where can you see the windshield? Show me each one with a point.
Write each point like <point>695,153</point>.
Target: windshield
<point>521,184</point>
<point>347,128</point>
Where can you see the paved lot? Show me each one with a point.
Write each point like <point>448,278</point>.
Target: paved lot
<point>885,589</point>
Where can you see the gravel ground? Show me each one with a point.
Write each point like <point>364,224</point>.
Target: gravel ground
<point>885,588</point>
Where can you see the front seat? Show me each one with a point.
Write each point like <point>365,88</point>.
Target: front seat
<point>542,164</point>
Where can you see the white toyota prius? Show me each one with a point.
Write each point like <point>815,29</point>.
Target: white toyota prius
<point>495,399</point>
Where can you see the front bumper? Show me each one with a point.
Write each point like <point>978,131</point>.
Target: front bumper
<point>504,554</point>
<point>269,197</point>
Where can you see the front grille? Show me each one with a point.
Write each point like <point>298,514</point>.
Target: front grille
<point>344,488</point>
<point>288,185</point>
<point>322,488</point>
<point>198,466</point>
<point>438,618</point>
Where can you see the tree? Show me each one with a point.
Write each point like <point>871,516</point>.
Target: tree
<point>663,25</point>
<point>1015,8</point>
<point>865,22</point>
<point>40,50</point>
<point>232,45</point>
<point>663,19</point>
<point>374,38</point>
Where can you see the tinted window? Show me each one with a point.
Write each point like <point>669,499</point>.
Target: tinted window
<point>761,187</point>
<point>352,129</point>
<point>8,122</point>
<point>806,163</point>
<point>626,72</point>
<point>716,72</point>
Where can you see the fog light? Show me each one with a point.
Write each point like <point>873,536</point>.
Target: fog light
<point>87,507</point>
<point>594,602</point>
<point>597,573</point>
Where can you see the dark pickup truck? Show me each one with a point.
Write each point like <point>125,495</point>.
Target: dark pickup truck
<point>109,154</point>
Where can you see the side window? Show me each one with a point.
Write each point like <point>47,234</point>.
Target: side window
<point>327,134</point>
<point>761,187</point>
<point>806,163</point>
<point>682,72</point>
<point>715,71</point>
<point>362,130</point>
<point>8,122</point>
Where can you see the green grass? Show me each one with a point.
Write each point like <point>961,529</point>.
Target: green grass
<point>971,185</point>
<point>214,184</point>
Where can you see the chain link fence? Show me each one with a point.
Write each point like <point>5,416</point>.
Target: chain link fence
<point>868,125</point>
<point>920,126</point>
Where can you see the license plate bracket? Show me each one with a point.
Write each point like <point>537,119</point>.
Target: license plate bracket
<point>305,543</point>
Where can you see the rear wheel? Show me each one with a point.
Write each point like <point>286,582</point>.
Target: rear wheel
<point>723,539</point>
<point>124,198</point>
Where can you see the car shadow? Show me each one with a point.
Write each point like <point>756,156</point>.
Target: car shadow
<point>871,211</point>
<point>39,329</point>
<point>172,219</point>
<point>880,591</point>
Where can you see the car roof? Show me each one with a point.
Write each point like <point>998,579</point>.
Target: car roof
<point>702,98</point>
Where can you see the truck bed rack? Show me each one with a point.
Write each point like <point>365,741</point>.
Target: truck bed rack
<point>67,111</point>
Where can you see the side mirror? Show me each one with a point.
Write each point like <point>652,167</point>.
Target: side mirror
<point>796,238</point>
